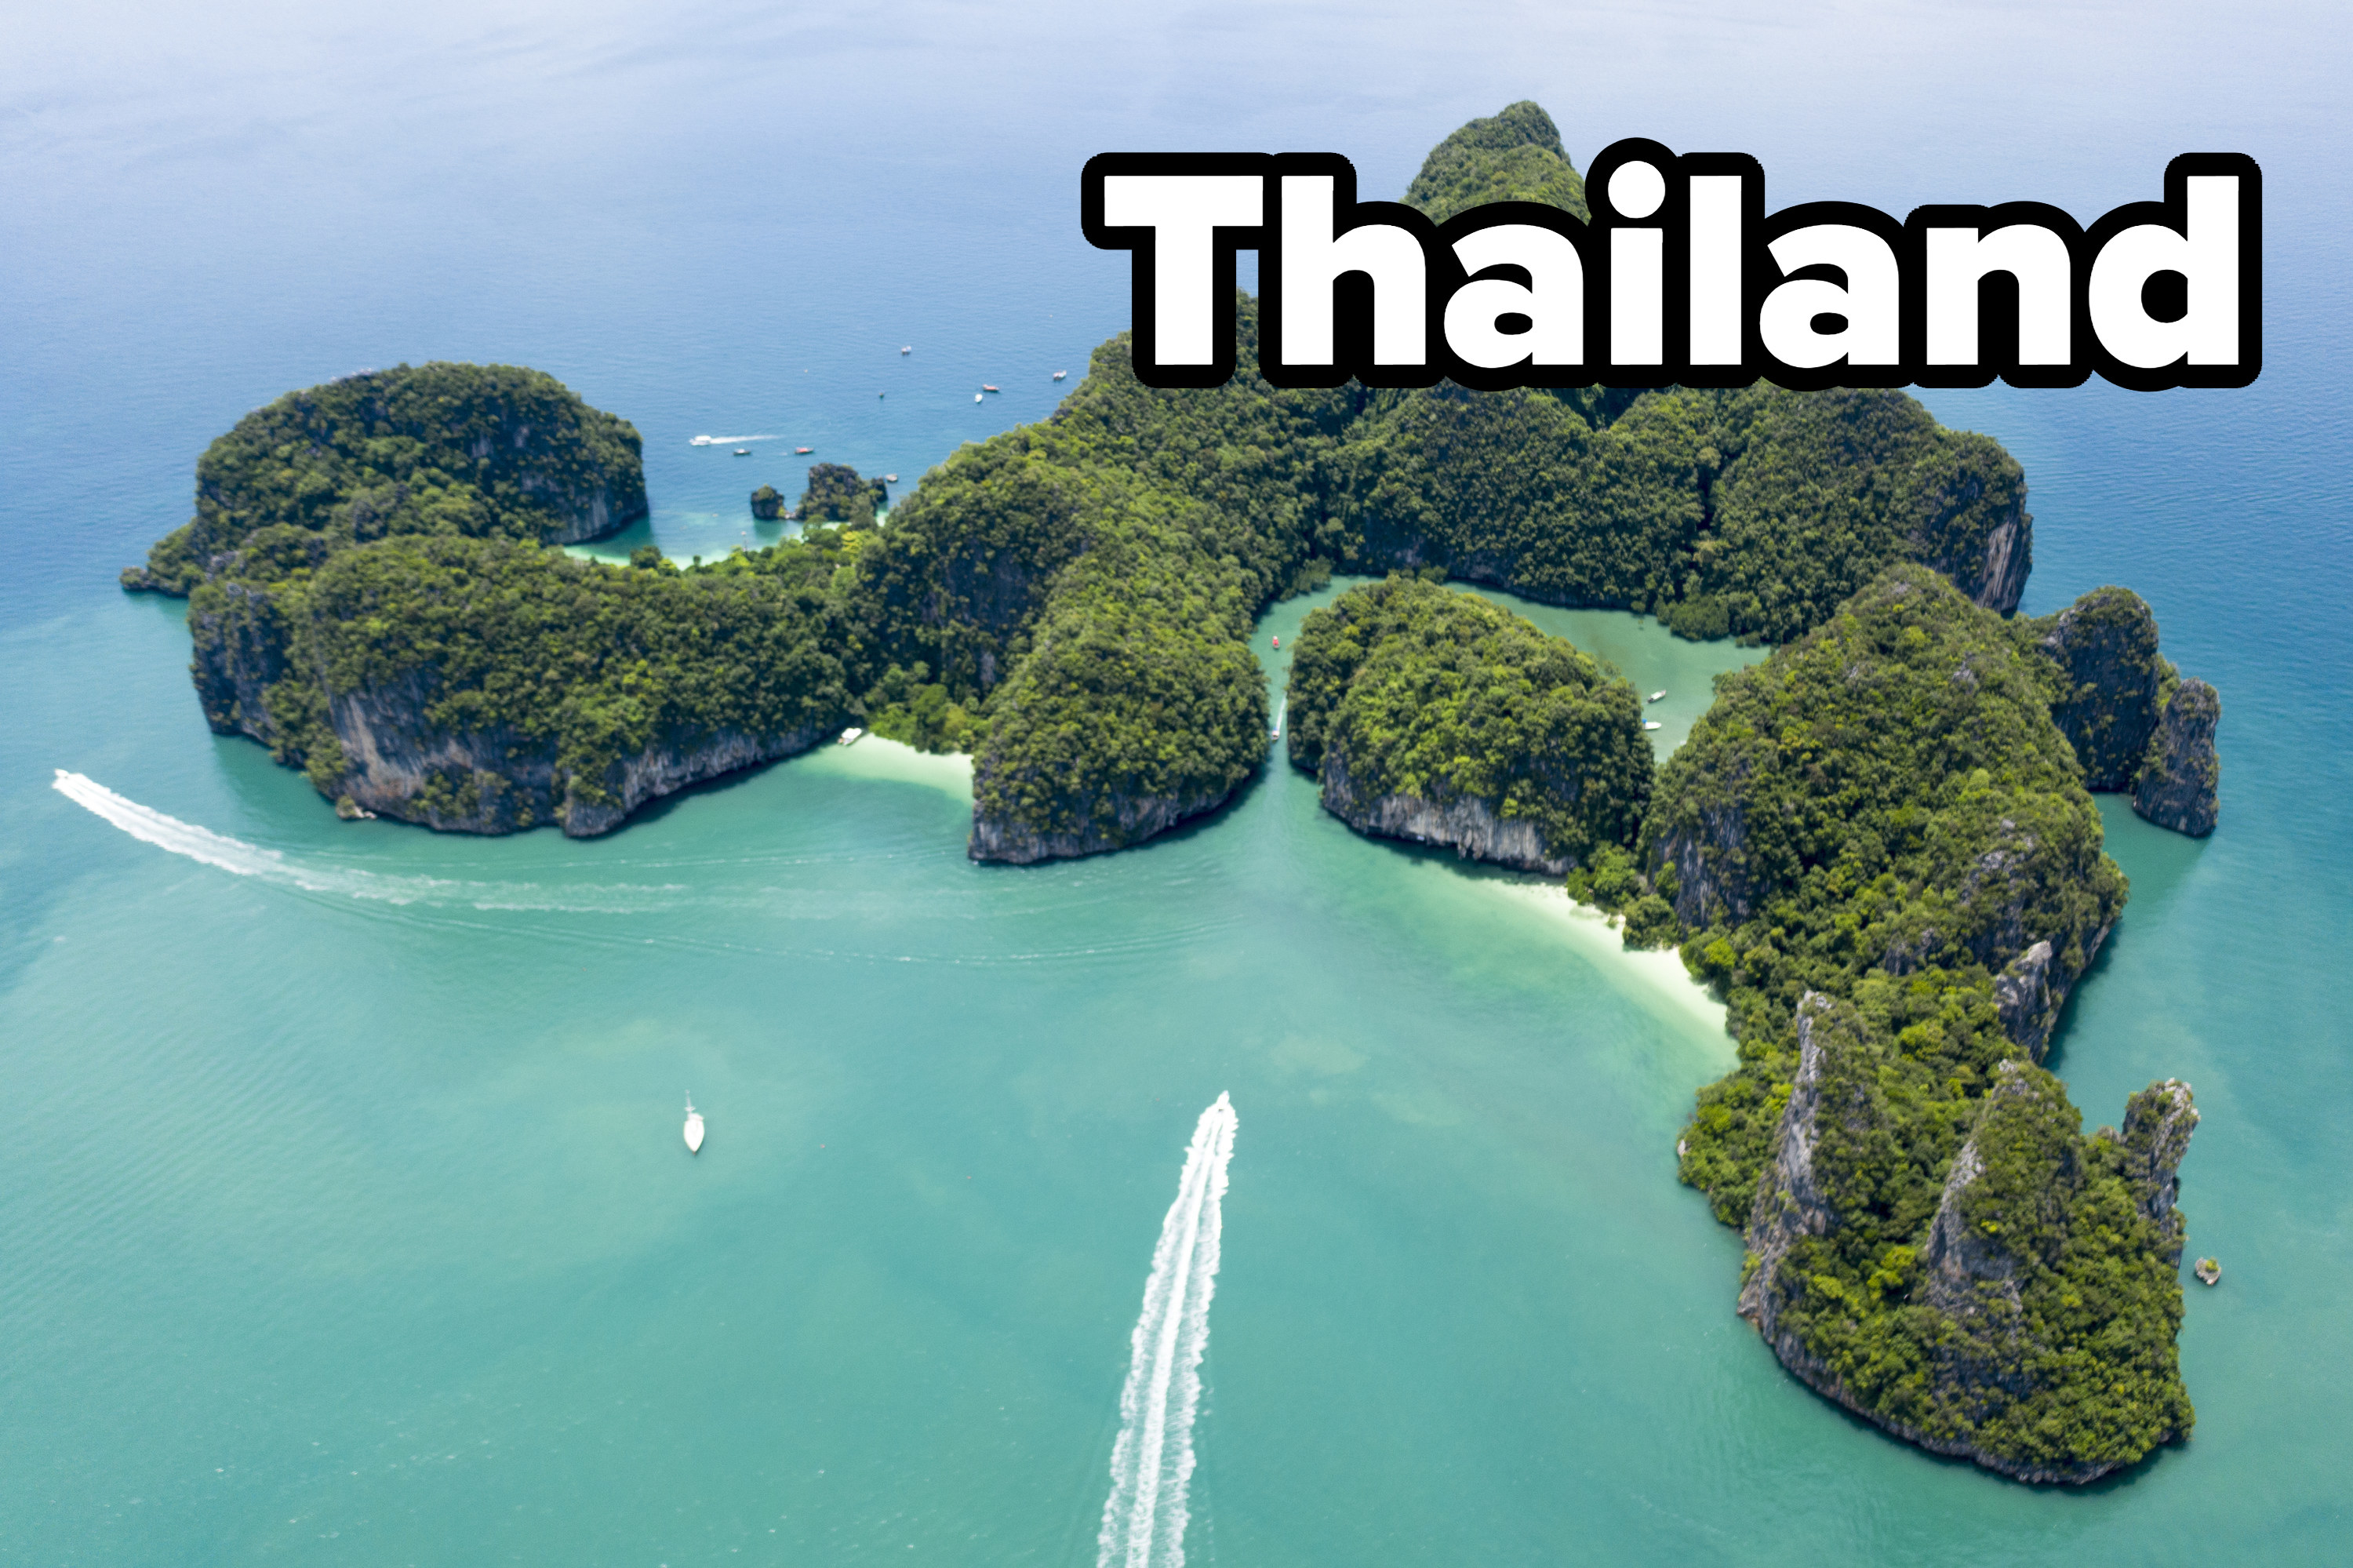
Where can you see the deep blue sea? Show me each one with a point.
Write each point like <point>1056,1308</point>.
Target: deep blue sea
<point>343,1217</point>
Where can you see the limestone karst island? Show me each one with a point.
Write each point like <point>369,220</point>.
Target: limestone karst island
<point>1879,846</point>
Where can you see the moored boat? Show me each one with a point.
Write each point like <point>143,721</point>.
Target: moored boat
<point>803,452</point>
<point>1059,375</point>
<point>1652,724</point>
<point>849,736</point>
<point>987,387</point>
<point>1658,696</point>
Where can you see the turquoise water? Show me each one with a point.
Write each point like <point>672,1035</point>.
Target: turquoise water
<point>342,1214</point>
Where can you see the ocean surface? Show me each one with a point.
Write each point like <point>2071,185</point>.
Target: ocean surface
<point>343,1214</point>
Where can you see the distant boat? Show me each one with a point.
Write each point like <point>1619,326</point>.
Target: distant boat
<point>909,348</point>
<point>975,398</point>
<point>693,1127</point>
<point>889,479</point>
<point>742,451</point>
<point>1278,642</point>
<point>1658,696</point>
<point>1652,724</point>
<point>704,442</point>
<point>849,736</point>
<point>1059,375</point>
<point>987,387</point>
<point>803,452</point>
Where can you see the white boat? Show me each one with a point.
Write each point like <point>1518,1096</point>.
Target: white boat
<point>889,479</point>
<point>978,396</point>
<point>849,736</point>
<point>908,348</point>
<point>1652,724</point>
<point>742,451</point>
<point>1657,696</point>
<point>1059,375</point>
<point>704,442</point>
<point>693,1127</point>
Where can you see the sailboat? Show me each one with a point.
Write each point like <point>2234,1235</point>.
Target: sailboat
<point>693,1127</point>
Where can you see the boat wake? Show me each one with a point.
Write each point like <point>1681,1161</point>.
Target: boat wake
<point>729,440</point>
<point>241,859</point>
<point>1151,1460</point>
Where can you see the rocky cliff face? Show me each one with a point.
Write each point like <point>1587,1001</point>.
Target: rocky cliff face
<point>239,640</point>
<point>396,763</point>
<point>1714,879</point>
<point>1111,820</point>
<point>2178,782</point>
<point>1471,828</point>
<point>1789,1202</point>
<point>1970,520</point>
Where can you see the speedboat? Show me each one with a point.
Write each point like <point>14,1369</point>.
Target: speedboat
<point>849,736</point>
<point>704,441</point>
<point>889,479</point>
<point>693,1127</point>
<point>976,398</point>
<point>1059,375</point>
<point>1657,696</point>
<point>1652,724</point>
<point>908,348</point>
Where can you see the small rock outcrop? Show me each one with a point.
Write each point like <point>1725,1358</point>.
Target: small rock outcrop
<point>767,506</point>
<point>2179,783</point>
<point>835,495</point>
<point>2158,1124</point>
<point>2134,724</point>
<point>2105,645</point>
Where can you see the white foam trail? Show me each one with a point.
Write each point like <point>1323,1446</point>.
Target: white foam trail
<point>241,859</point>
<point>1151,1460</point>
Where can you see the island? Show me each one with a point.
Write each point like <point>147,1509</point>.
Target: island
<point>1879,845</point>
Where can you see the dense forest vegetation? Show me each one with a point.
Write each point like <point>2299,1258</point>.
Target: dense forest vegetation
<point>1405,688</point>
<point>1749,513</point>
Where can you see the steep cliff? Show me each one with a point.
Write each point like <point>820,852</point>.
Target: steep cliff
<point>2177,784</point>
<point>1470,827</point>
<point>1439,717</point>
